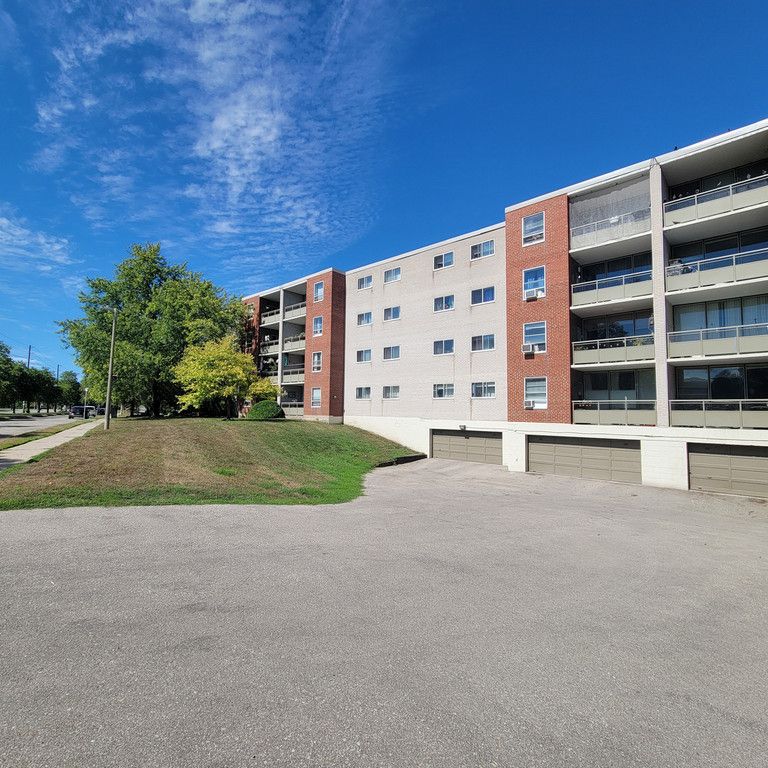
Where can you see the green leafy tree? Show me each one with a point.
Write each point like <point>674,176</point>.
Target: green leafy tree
<point>7,377</point>
<point>217,372</point>
<point>71,391</point>
<point>162,309</point>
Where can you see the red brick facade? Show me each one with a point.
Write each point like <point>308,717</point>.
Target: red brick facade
<point>330,379</point>
<point>554,309</point>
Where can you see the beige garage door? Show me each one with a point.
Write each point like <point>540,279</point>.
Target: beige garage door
<point>483,447</point>
<point>596,459</point>
<point>728,469</point>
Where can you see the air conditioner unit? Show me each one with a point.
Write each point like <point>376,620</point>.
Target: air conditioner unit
<point>531,294</point>
<point>529,405</point>
<point>527,349</point>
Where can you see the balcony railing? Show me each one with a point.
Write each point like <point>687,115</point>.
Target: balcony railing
<point>295,343</point>
<point>733,268</point>
<point>292,408</point>
<point>270,317</point>
<point>744,194</point>
<point>622,349</point>
<point>614,228</point>
<point>637,413</point>
<point>270,348</point>
<point>611,288</point>
<point>295,310</point>
<point>293,375</point>
<point>273,379</point>
<point>730,414</point>
<point>729,340</point>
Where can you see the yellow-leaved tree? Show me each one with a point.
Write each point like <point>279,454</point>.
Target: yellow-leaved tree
<point>216,372</point>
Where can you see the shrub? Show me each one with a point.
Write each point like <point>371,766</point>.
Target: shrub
<point>265,409</point>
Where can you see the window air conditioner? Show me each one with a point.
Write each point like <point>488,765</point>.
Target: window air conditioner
<point>527,349</point>
<point>529,405</point>
<point>531,294</point>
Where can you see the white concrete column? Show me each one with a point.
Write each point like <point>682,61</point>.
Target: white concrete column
<point>660,309</point>
<point>664,463</point>
<point>280,335</point>
<point>513,450</point>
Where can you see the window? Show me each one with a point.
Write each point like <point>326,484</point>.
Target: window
<point>315,401</point>
<point>317,362</point>
<point>391,392</point>
<point>536,392</point>
<point>483,343</point>
<point>443,260</point>
<point>364,282</point>
<point>392,275</point>
<point>363,393</point>
<point>317,326</point>
<point>481,250</point>
<point>535,334</point>
<point>483,295</point>
<point>391,313</point>
<point>364,318</point>
<point>319,291</point>
<point>442,347</point>
<point>363,355</point>
<point>441,391</point>
<point>443,303</point>
<point>534,280</point>
<point>483,389</point>
<point>392,353</point>
<point>533,228</point>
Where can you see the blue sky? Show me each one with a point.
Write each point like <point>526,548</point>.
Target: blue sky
<point>262,140</point>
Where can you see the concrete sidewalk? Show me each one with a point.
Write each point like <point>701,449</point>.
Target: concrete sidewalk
<point>23,453</point>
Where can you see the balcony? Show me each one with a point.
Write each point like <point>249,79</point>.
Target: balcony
<point>615,228</point>
<point>274,379</point>
<point>270,318</point>
<point>623,349</point>
<point>731,341</point>
<point>715,202</point>
<point>293,375</point>
<point>728,414</point>
<point>636,413</point>
<point>293,408</point>
<point>295,311</point>
<point>295,343</point>
<point>630,286</point>
<point>270,348</point>
<point>721,270</point>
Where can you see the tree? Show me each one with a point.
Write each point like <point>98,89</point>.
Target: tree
<point>217,372</point>
<point>71,391</point>
<point>162,309</point>
<point>7,377</point>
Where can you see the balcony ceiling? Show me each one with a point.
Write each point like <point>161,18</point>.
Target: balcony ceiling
<point>613,249</point>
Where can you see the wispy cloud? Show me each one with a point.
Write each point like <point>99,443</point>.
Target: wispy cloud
<point>23,249</point>
<point>245,128</point>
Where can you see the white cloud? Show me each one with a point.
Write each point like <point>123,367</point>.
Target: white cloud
<point>25,250</point>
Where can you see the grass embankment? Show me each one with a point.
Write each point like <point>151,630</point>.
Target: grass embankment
<point>198,461</point>
<point>12,442</point>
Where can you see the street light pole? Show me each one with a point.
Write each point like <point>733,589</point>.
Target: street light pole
<point>108,409</point>
<point>85,404</point>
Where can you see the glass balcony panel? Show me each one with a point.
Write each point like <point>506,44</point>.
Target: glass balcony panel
<point>752,192</point>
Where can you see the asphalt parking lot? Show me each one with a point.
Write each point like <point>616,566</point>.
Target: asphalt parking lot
<point>456,615</point>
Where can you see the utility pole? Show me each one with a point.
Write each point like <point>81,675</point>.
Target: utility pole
<point>108,409</point>
<point>29,355</point>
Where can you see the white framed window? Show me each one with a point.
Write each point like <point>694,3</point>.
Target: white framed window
<point>443,303</point>
<point>535,279</point>
<point>315,397</point>
<point>442,347</point>
<point>535,334</point>
<point>362,393</point>
<point>318,292</point>
<point>392,275</point>
<point>484,343</point>
<point>391,392</point>
<point>364,282</point>
<point>363,355</point>
<point>484,295</point>
<point>364,318</point>
<point>443,260</point>
<point>317,326</point>
<point>317,362</point>
<point>392,353</point>
<point>533,228</point>
<point>392,313</point>
<point>481,250</point>
<point>482,389</point>
<point>535,391</point>
<point>442,391</point>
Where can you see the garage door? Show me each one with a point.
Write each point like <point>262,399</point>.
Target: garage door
<point>483,447</point>
<point>596,459</point>
<point>728,469</point>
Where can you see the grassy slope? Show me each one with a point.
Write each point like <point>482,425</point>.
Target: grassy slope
<point>195,461</point>
<point>12,442</point>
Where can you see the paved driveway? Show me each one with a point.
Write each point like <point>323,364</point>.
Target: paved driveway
<point>455,616</point>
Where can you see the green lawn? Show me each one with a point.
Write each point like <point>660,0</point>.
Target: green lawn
<point>198,461</point>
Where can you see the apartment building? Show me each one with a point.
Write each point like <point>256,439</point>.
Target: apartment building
<point>615,329</point>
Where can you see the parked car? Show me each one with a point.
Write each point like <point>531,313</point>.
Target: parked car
<point>79,412</point>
